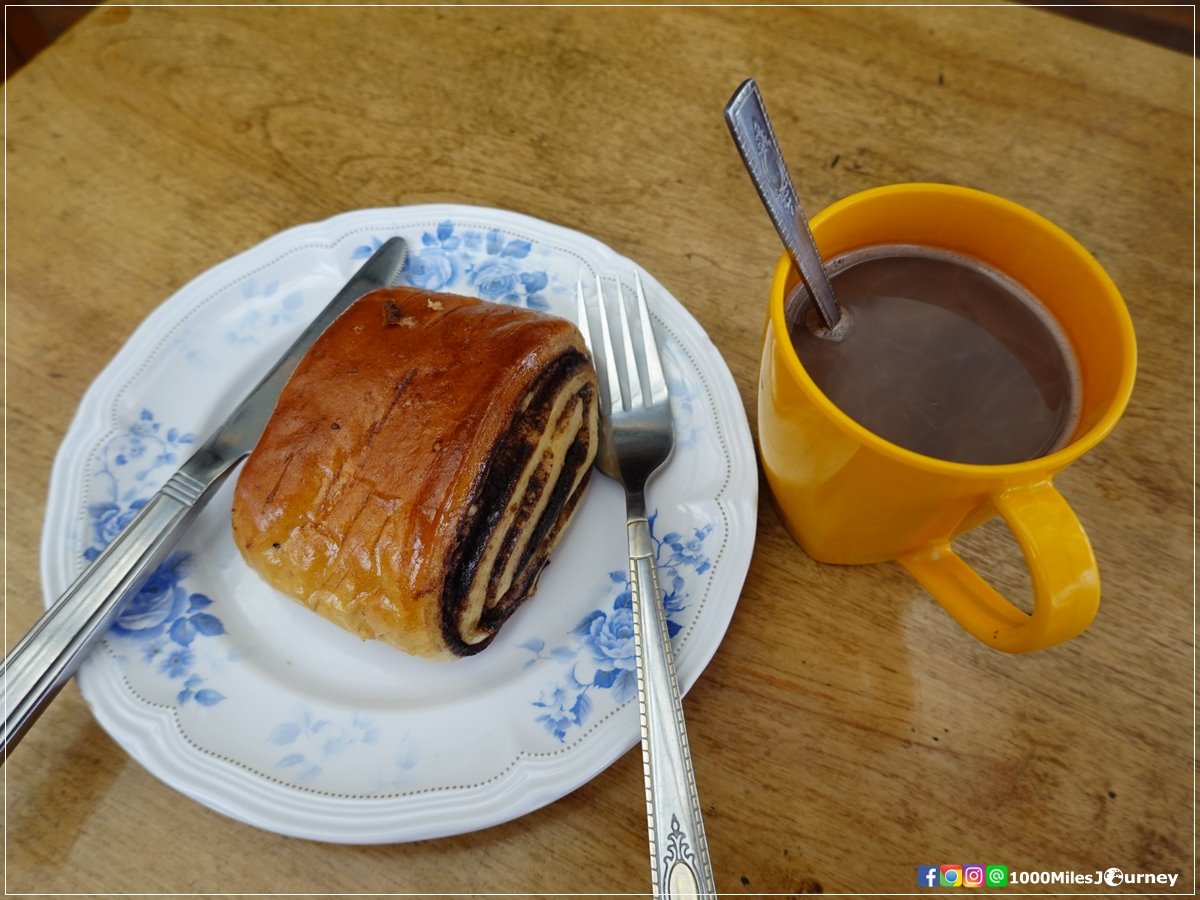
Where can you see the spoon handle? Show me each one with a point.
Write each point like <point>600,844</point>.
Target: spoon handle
<point>747,119</point>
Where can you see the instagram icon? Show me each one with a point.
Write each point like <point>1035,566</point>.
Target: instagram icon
<point>972,876</point>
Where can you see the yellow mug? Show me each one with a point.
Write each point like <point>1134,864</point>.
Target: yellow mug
<point>849,496</point>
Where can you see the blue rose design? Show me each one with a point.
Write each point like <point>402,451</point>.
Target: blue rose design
<point>108,519</point>
<point>431,269</point>
<point>603,647</point>
<point>610,638</point>
<point>163,620</point>
<point>159,603</point>
<point>497,280</point>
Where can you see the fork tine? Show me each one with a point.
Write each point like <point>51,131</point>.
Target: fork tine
<point>581,317</point>
<point>657,388</point>
<point>615,401</point>
<point>633,380</point>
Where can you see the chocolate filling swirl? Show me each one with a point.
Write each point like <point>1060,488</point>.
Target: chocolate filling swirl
<point>537,473</point>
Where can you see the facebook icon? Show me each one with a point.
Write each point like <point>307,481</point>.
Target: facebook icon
<point>927,876</point>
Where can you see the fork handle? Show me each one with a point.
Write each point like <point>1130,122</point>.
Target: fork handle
<point>680,864</point>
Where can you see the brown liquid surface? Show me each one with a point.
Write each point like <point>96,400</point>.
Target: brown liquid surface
<point>943,356</point>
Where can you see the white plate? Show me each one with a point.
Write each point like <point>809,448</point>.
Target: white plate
<point>249,703</point>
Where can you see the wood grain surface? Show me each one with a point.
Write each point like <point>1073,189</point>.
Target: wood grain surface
<point>846,731</point>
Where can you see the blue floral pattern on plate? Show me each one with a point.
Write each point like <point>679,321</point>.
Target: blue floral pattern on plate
<point>164,619</point>
<point>133,464</point>
<point>264,307</point>
<point>485,264</point>
<point>601,651</point>
<point>311,742</point>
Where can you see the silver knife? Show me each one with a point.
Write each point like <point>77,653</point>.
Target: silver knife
<point>50,654</point>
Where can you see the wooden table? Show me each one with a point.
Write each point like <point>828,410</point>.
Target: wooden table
<point>846,731</point>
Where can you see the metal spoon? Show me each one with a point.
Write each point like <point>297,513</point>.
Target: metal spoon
<point>747,119</point>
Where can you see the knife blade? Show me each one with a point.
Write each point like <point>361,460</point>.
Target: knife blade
<point>46,658</point>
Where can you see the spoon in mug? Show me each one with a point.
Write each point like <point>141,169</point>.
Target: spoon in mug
<point>747,119</point>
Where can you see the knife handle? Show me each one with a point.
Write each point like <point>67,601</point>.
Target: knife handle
<point>42,662</point>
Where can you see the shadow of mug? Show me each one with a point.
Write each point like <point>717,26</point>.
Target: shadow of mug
<point>848,496</point>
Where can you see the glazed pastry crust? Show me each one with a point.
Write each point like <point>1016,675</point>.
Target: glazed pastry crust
<point>420,464</point>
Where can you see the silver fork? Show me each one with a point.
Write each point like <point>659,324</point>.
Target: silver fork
<point>636,439</point>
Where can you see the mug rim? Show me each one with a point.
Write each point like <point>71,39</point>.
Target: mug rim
<point>1052,461</point>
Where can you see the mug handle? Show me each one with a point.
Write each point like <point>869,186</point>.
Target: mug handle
<point>1062,568</point>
